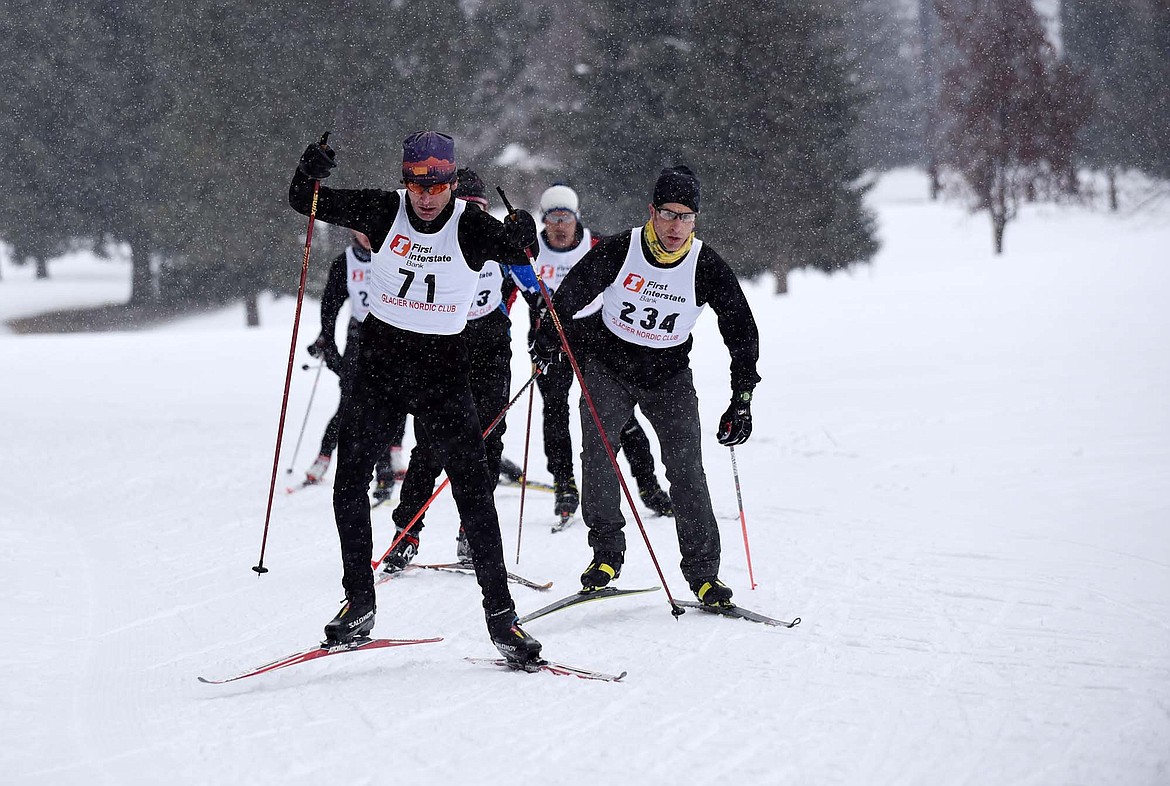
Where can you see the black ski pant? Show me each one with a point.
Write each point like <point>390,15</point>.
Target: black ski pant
<point>426,375</point>
<point>353,342</point>
<point>673,411</point>
<point>490,355</point>
<point>554,387</point>
<point>636,444</point>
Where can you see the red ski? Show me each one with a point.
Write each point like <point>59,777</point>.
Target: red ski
<point>322,651</point>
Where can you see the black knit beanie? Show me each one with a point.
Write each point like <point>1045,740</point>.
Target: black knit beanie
<point>677,184</point>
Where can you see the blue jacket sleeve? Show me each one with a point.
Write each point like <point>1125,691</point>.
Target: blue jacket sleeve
<point>525,278</point>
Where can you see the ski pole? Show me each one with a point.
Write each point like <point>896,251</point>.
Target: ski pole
<point>446,481</point>
<point>259,567</point>
<point>675,609</point>
<point>742,520</point>
<point>524,469</point>
<point>308,408</point>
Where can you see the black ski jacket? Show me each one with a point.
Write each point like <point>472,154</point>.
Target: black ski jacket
<point>372,211</point>
<point>647,367</point>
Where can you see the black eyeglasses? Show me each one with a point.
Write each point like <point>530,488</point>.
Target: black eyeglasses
<point>670,215</point>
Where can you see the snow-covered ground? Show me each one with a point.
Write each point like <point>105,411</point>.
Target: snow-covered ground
<point>958,479</point>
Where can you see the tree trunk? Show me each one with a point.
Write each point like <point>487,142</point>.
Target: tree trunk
<point>252,309</point>
<point>781,270</point>
<point>998,224</point>
<point>42,268</point>
<point>935,183</point>
<point>141,283</point>
<point>1111,175</point>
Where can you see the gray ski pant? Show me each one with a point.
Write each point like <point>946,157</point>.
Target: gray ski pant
<point>673,411</point>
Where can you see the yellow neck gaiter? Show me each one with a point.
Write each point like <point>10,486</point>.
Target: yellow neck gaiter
<point>661,255</point>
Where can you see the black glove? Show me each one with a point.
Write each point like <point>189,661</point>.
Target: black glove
<point>326,349</point>
<point>317,161</point>
<point>520,229</point>
<point>736,424</point>
<point>545,346</point>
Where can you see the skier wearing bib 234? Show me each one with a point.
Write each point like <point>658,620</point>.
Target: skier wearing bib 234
<point>428,252</point>
<point>636,351</point>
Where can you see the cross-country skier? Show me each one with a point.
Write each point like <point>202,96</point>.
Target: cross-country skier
<point>349,279</point>
<point>656,279</point>
<point>563,242</point>
<point>489,346</point>
<point>428,251</point>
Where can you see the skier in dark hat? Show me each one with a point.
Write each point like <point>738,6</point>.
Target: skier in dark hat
<point>656,279</point>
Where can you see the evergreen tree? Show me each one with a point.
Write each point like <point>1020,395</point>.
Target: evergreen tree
<point>1125,47</point>
<point>876,40</point>
<point>777,105</point>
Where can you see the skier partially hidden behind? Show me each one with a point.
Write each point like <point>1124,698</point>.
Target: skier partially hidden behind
<point>348,278</point>
<point>428,251</point>
<point>656,279</point>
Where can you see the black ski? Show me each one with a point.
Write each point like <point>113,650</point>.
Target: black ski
<point>738,612</point>
<point>463,568</point>
<point>323,651</point>
<point>532,485</point>
<point>577,598</point>
<point>560,669</point>
<point>468,569</point>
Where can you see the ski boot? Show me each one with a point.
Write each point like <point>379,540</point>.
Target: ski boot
<point>405,549</point>
<point>354,621</point>
<point>384,488</point>
<point>567,498</point>
<point>509,471</point>
<point>712,592</point>
<point>518,648</point>
<point>657,500</point>
<point>318,469</point>
<point>462,548</point>
<point>605,567</point>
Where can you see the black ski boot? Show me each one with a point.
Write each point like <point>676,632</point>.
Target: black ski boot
<point>712,592</point>
<point>656,499</point>
<point>401,555</point>
<point>463,548</point>
<point>354,621</point>
<point>517,647</point>
<point>384,488</point>
<point>568,498</point>
<point>510,471</point>
<point>605,567</point>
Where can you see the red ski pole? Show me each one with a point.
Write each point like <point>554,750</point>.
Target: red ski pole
<point>259,567</point>
<point>742,519</point>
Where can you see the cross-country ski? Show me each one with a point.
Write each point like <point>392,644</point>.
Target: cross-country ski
<point>325,650</point>
<point>577,598</point>
<point>738,612</point>
<point>551,667</point>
